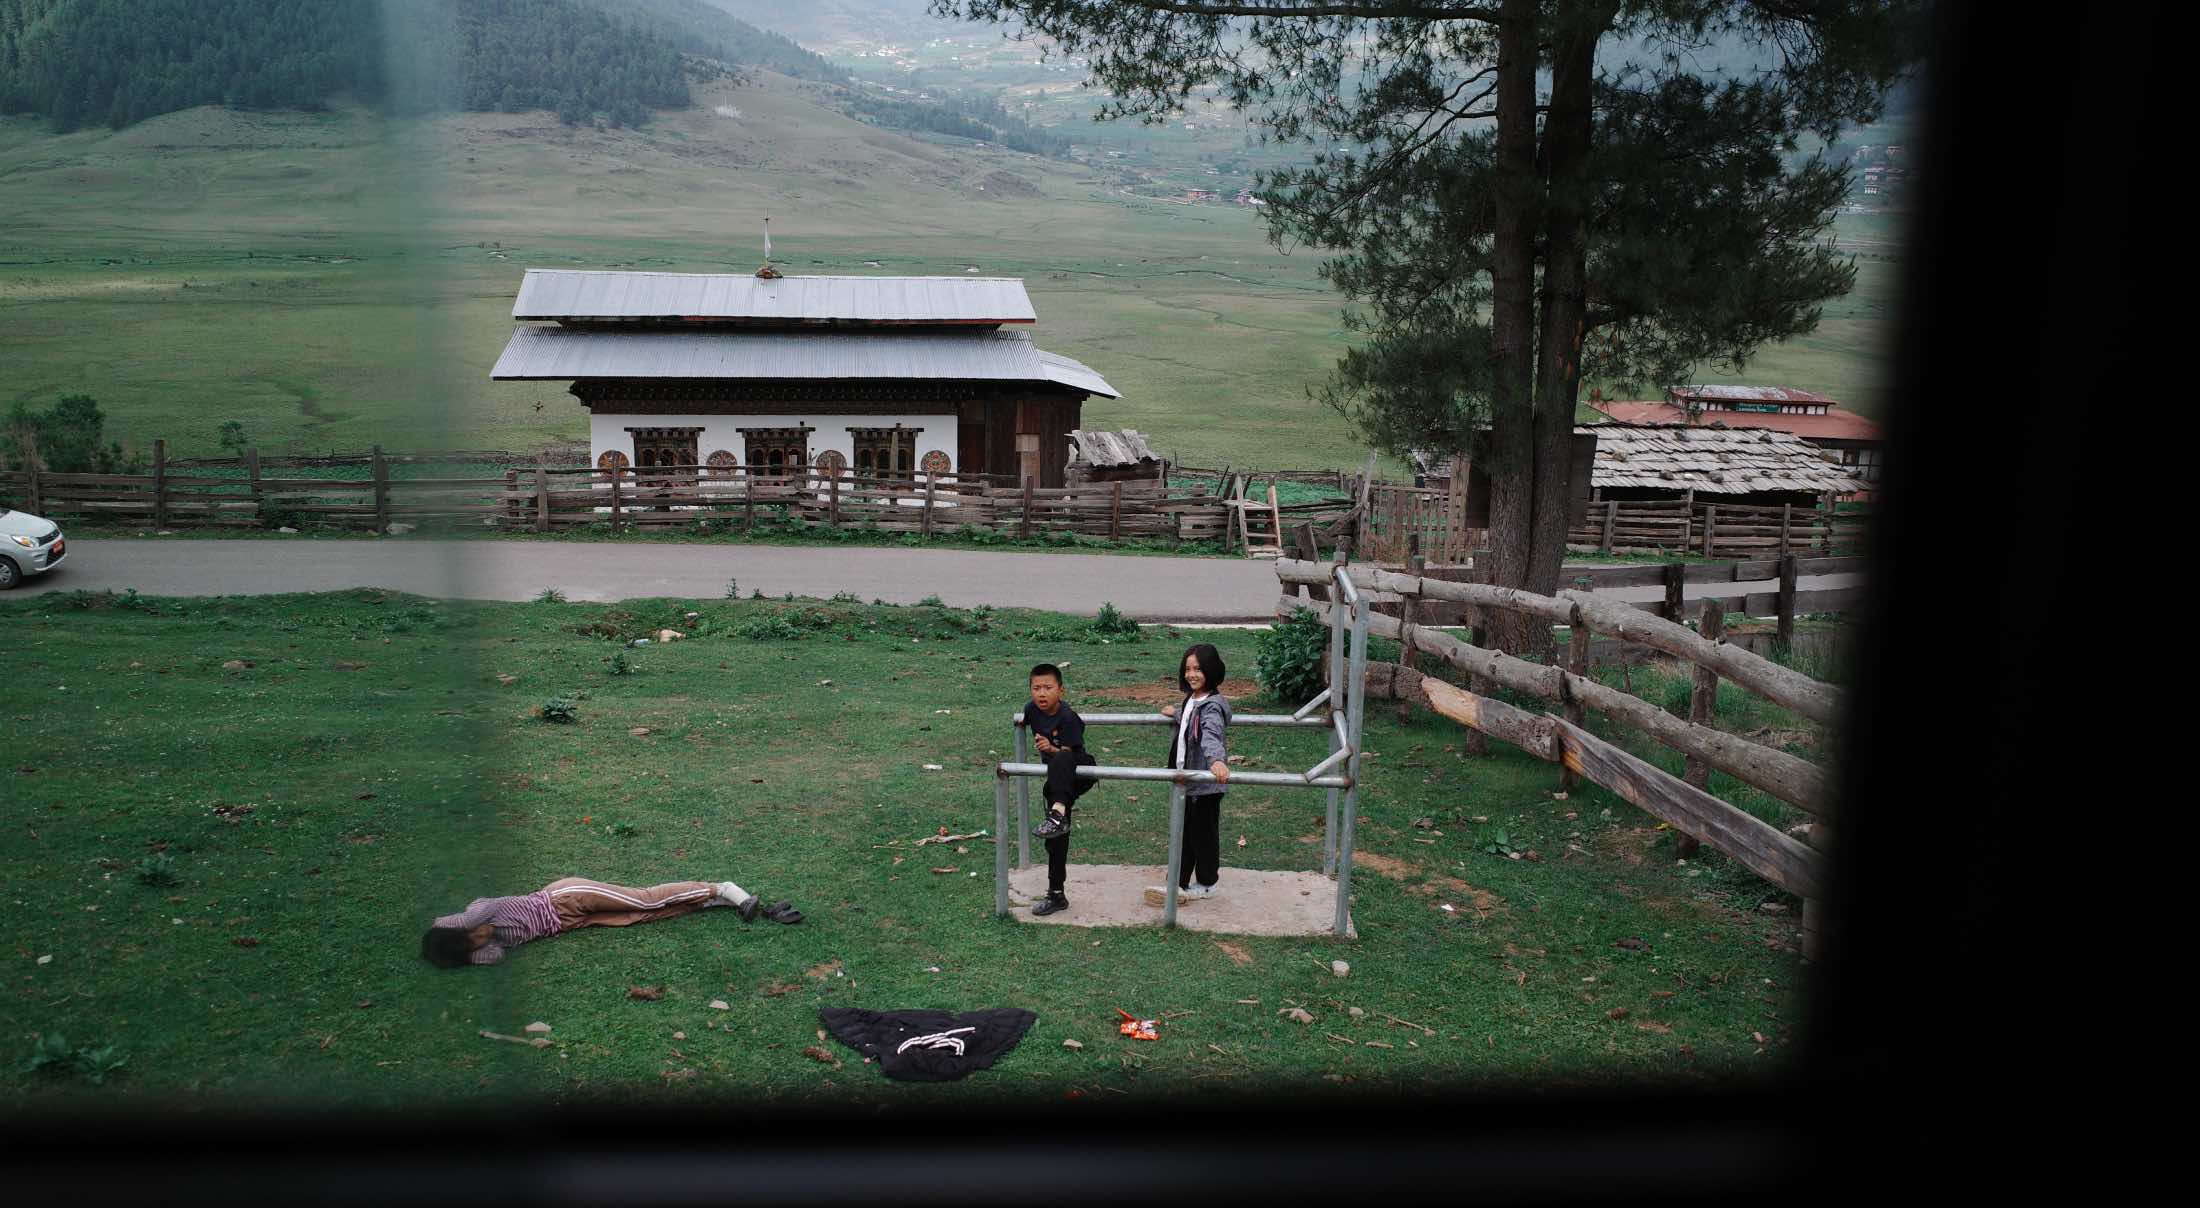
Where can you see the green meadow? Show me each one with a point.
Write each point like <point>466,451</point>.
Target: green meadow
<point>233,817</point>
<point>337,280</point>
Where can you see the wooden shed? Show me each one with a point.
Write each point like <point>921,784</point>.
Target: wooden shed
<point>871,374</point>
<point>1111,457</point>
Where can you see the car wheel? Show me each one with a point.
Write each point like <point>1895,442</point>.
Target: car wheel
<point>9,574</point>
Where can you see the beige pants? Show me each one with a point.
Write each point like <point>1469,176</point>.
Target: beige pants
<point>581,902</point>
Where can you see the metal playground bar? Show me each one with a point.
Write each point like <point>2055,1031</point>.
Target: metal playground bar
<point>1338,709</point>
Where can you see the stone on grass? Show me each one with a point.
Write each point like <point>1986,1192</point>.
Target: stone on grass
<point>536,1028</point>
<point>1339,968</point>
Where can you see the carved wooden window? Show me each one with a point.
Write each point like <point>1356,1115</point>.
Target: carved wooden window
<point>885,452</point>
<point>662,449</point>
<point>721,463</point>
<point>777,452</point>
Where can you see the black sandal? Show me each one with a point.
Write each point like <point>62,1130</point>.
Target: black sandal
<point>783,912</point>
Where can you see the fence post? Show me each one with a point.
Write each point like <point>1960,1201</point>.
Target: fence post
<point>1703,709</point>
<point>832,500</point>
<point>160,484</point>
<point>30,466</point>
<point>618,511</point>
<point>542,494</point>
<point>252,474</point>
<point>1611,518</point>
<point>1577,663</point>
<point>1710,525</point>
<point>1115,513</point>
<point>748,500</point>
<point>1023,798</point>
<point>1024,529</point>
<point>1787,517</point>
<point>1688,526</point>
<point>1786,633</point>
<point>1676,579</point>
<point>511,496</point>
<point>1415,565</point>
<point>929,481</point>
<point>1825,502</point>
<point>381,491</point>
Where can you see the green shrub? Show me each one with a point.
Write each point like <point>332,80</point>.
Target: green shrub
<point>1111,623</point>
<point>556,709</point>
<point>620,665</point>
<point>1288,657</point>
<point>550,595</point>
<point>51,1054</point>
<point>157,870</point>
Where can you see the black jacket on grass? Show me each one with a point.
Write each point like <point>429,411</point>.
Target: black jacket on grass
<point>929,1046</point>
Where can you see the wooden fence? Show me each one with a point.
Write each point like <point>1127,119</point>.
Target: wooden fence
<point>1719,530</point>
<point>1681,801</point>
<point>544,495</point>
<point>1405,520</point>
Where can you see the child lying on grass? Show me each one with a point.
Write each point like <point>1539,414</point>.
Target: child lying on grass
<point>479,934</point>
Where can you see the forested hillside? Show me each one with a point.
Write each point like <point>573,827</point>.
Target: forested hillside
<point>114,62</point>
<point>700,28</point>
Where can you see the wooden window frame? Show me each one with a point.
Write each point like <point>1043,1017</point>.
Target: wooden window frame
<point>897,442</point>
<point>792,444</point>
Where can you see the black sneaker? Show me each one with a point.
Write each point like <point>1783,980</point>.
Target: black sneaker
<point>1053,902</point>
<point>1054,825</point>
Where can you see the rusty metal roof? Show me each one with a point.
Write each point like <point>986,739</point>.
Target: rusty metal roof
<point>1836,424</point>
<point>1103,450</point>
<point>572,353</point>
<point>591,296</point>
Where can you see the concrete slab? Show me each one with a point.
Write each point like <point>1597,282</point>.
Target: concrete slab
<point>1246,902</point>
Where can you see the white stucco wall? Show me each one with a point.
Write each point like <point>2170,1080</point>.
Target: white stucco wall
<point>608,430</point>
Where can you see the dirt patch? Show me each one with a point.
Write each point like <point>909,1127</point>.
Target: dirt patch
<point>773,989</point>
<point>1236,952</point>
<point>1628,844</point>
<point>1484,902</point>
<point>1154,693</point>
<point>825,970</point>
<point>1387,866</point>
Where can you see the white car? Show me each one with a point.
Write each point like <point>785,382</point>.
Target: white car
<point>29,545</point>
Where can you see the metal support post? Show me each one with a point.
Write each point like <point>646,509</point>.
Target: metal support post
<point>1176,854</point>
<point>1000,845</point>
<point>1023,799</point>
<point>1354,716</point>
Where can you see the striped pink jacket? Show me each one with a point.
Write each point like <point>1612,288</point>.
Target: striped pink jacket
<point>516,919</point>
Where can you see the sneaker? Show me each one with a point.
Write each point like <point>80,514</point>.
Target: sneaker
<point>1052,903</point>
<point>1197,892</point>
<point>1054,825</point>
<point>1158,895</point>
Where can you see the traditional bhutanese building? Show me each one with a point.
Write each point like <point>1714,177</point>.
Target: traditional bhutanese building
<point>1854,440</point>
<point>871,374</point>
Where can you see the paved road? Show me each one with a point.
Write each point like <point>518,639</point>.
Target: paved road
<point>1149,588</point>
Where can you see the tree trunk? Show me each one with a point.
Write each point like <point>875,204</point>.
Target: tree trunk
<point>1562,164</point>
<point>1510,456</point>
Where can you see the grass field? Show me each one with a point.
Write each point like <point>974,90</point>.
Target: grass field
<point>333,281</point>
<point>326,773</point>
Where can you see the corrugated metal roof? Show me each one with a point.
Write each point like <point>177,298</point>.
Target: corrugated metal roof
<point>1103,450</point>
<point>605,296</point>
<point>569,353</point>
<point>1712,461</point>
<point>1751,394</point>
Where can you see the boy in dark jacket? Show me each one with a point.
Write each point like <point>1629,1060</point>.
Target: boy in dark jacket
<point>1060,736</point>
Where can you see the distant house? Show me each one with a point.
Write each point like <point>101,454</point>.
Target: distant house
<point>1711,463</point>
<point>877,375</point>
<point>1855,441</point>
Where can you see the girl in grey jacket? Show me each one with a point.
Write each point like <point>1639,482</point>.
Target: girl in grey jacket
<point>1201,743</point>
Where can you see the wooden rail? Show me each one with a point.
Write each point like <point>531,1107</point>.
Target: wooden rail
<point>1687,806</point>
